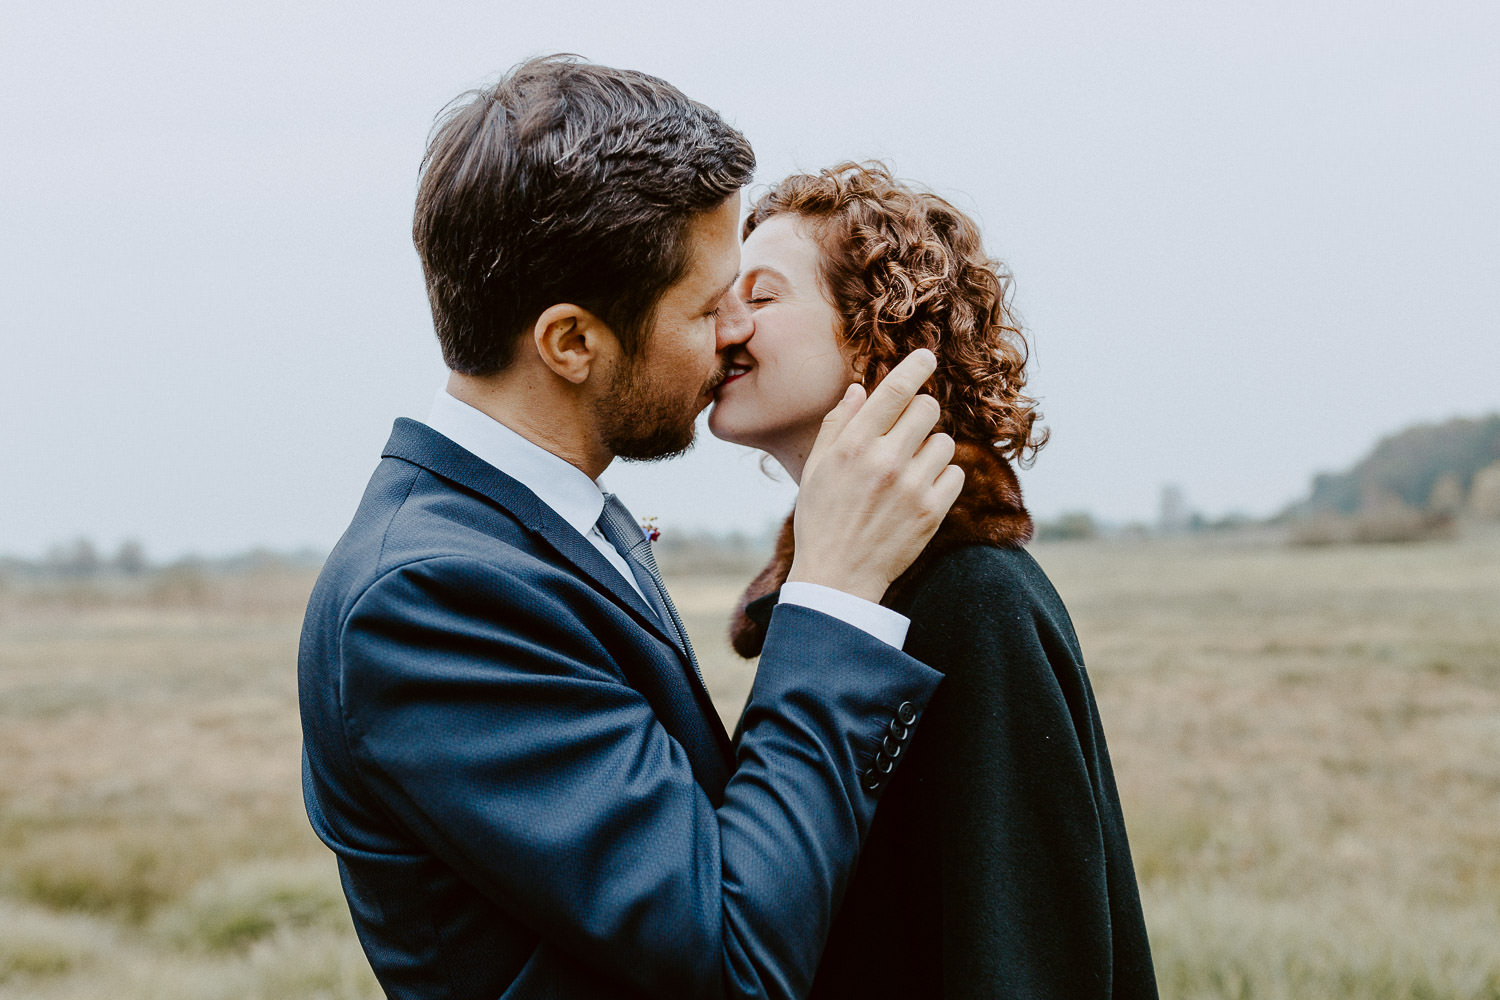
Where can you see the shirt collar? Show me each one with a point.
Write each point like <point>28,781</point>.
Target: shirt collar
<point>556,482</point>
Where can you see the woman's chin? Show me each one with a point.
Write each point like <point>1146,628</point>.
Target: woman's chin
<point>722,425</point>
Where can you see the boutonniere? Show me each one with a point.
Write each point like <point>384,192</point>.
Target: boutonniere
<point>649,528</point>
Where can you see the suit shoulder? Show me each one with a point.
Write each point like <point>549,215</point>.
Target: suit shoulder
<point>410,518</point>
<point>436,518</point>
<point>408,514</point>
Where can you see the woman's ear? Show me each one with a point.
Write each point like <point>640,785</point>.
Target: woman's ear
<point>571,341</point>
<point>858,363</point>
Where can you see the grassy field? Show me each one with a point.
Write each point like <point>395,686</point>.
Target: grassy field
<point>1307,742</point>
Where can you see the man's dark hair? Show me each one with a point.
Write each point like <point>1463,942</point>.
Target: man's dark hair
<point>564,182</point>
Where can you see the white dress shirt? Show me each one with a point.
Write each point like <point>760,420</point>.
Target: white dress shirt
<point>579,500</point>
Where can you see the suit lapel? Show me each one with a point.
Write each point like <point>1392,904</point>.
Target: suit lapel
<point>420,444</point>
<point>417,443</point>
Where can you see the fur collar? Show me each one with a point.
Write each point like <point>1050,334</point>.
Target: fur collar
<point>988,511</point>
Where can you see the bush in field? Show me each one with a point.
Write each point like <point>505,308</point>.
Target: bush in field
<point>1387,523</point>
<point>1071,525</point>
<point>242,906</point>
<point>36,944</point>
<point>1484,495</point>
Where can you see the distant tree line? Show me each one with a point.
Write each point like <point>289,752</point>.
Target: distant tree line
<point>1413,484</point>
<point>81,559</point>
<point>1427,467</point>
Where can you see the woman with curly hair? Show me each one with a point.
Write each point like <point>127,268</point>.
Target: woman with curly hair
<point>997,865</point>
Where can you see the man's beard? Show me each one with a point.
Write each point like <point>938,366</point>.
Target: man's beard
<point>640,419</point>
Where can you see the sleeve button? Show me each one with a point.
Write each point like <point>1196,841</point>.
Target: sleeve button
<point>892,747</point>
<point>906,713</point>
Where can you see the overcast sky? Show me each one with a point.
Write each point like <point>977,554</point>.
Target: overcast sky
<point>1248,239</point>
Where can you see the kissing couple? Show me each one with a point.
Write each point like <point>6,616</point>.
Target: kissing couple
<point>506,740</point>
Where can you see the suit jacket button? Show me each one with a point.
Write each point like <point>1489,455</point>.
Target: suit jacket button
<point>892,747</point>
<point>898,730</point>
<point>871,780</point>
<point>907,713</point>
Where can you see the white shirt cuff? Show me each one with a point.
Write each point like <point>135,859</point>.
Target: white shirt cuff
<point>876,619</point>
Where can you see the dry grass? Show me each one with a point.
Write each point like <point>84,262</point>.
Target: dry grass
<point>1307,741</point>
<point>152,842</point>
<point>1308,745</point>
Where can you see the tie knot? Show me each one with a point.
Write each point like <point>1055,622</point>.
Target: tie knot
<point>618,525</point>
<point>625,534</point>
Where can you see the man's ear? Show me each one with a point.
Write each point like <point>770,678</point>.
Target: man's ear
<point>570,339</point>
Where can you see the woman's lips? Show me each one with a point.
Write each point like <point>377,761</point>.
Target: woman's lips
<point>735,373</point>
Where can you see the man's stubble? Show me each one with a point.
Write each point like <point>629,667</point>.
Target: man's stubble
<point>642,419</point>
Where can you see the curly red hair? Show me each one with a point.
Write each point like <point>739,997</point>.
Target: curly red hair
<point>905,269</point>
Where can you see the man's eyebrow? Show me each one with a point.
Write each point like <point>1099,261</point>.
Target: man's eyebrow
<point>714,300</point>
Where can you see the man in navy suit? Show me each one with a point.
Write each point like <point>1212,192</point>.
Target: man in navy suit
<point>506,741</point>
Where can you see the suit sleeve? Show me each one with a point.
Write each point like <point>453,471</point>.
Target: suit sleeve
<point>1026,910</point>
<point>490,721</point>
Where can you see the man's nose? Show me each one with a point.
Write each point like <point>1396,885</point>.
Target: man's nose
<point>734,325</point>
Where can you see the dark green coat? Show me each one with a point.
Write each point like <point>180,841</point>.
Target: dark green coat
<point>997,864</point>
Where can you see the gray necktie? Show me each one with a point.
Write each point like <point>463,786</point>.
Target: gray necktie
<point>624,533</point>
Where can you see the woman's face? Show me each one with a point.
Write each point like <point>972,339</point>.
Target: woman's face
<point>792,370</point>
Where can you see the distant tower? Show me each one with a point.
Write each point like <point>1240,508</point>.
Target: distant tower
<point>1175,517</point>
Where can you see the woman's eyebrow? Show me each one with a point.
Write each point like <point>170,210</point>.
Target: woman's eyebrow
<point>760,269</point>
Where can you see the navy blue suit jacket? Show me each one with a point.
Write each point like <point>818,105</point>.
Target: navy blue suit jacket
<point>525,784</point>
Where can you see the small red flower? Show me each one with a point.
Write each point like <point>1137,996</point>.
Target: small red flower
<point>648,525</point>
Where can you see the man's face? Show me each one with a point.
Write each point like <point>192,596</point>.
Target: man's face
<point>651,400</point>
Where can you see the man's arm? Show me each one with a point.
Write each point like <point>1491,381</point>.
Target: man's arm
<point>484,711</point>
<point>492,723</point>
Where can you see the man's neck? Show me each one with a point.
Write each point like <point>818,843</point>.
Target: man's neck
<point>542,412</point>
